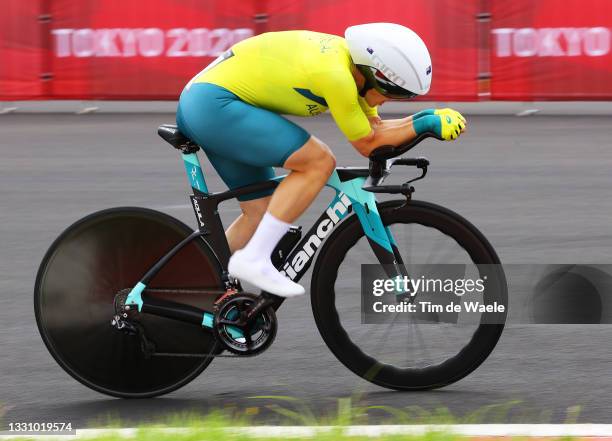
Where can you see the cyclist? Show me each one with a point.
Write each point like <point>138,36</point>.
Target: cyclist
<point>233,108</point>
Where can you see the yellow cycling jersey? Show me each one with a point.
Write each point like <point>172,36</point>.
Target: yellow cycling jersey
<point>300,73</point>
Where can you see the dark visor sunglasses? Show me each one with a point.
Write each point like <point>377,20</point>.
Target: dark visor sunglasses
<point>383,85</point>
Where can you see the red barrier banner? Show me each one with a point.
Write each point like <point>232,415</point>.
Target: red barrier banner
<point>21,49</point>
<point>551,50</point>
<point>148,49</point>
<point>448,27</point>
<point>139,49</point>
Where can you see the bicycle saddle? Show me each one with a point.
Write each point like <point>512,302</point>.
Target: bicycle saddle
<point>173,136</point>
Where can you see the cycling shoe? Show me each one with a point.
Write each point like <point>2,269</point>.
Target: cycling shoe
<point>263,275</point>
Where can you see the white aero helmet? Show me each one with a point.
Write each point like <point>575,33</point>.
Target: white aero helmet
<point>393,59</point>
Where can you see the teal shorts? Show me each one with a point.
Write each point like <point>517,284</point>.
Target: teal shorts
<point>241,141</point>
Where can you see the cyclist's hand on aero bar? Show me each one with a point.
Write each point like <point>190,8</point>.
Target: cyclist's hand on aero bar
<point>446,123</point>
<point>450,125</point>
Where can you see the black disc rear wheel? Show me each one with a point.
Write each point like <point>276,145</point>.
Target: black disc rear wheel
<point>399,353</point>
<point>76,285</point>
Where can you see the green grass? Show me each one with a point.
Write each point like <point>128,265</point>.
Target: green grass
<point>207,436</point>
<point>226,424</point>
<point>219,426</point>
<point>356,411</point>
<point>217,435</point>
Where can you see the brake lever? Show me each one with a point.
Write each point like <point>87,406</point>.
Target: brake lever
<point>423,173</point>
<point>422,164</point>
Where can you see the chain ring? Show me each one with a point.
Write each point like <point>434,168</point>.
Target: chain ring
<point>233,338</point>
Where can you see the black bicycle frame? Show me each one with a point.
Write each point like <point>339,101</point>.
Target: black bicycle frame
<point>350,195</point>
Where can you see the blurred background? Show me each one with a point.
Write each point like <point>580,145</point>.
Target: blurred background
<point>146,49</point>
<point>538,187</point>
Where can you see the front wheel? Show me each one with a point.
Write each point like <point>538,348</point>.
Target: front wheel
<point>405,354</point>
<point>76,287</point>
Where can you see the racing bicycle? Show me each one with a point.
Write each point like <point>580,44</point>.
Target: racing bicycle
<point>134,303</point>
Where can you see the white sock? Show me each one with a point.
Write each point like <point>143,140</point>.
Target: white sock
<point>269,232</point>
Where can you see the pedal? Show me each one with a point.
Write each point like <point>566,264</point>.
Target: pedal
<point>264,300</point>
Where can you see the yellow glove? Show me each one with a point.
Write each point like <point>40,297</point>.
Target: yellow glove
<point>448,110</point>
<point>451,126</point>
<point>445,123</point>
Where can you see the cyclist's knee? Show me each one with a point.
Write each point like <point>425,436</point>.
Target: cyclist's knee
<point>327,162</point>
<point>327,168</point>
<point>322,164</point>
<point>314,157</point>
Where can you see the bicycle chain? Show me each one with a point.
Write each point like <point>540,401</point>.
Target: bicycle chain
<point>122,314</point>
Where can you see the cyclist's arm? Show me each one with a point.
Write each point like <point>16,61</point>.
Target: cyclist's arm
<point>385,134</point>
<point>370,112</point>
<point>423,113</point>
<point>363,131</point>
<point>340,92</point>
<point>374,121</point>
<point>448,124</point>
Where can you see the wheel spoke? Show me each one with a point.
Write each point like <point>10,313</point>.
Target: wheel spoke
<point>429,349</point>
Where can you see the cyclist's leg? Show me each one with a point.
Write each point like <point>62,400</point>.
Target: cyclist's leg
<point>241,139</point>
<point>242,229</point>
<point>311,166</point>
<point>253,206</point>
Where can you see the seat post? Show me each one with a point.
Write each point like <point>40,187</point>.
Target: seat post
<point>173,136</point>
<point>194,172</point>
<point>204,204</point>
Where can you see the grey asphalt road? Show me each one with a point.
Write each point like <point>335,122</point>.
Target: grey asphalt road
<point>538,187</point>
